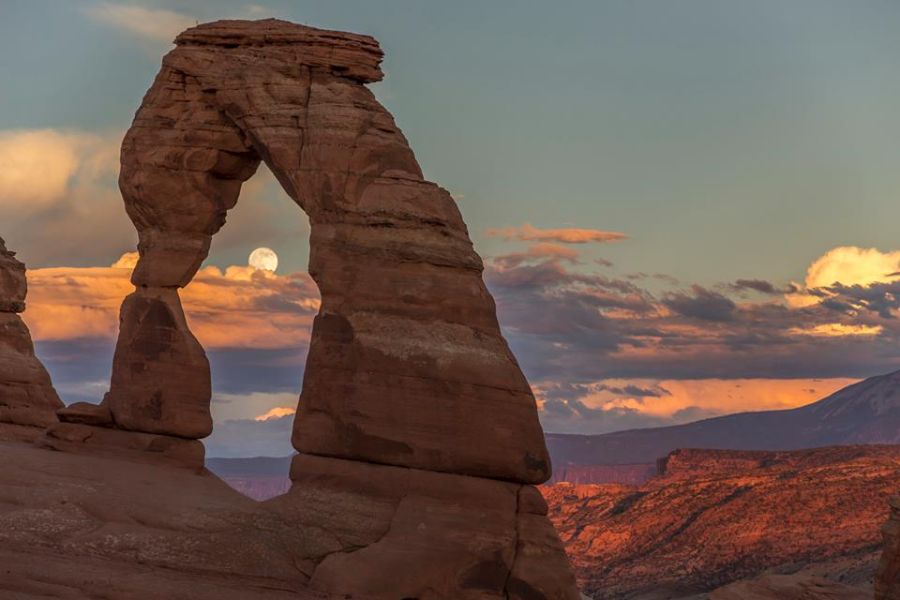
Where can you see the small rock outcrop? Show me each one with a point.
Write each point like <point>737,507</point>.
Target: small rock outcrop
<point>887,582</point>
<point>27,397</point>
<point>417,432</point>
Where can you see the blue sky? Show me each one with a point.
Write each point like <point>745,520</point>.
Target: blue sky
<point>726,140</point>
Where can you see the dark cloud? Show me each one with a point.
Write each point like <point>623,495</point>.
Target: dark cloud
<point>756,285</point>
<point>702,304</point>
<point>568,325</point>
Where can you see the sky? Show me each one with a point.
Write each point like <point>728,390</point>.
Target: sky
<point>685,209</point>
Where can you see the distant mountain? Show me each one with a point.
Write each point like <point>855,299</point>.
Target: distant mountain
<point>867,412</point>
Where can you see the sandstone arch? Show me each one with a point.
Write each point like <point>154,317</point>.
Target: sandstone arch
<point>407,365</point>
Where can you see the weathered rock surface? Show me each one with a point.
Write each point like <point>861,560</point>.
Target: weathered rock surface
<point>27,397</point>
<point>407,365</point>
<point>716,517</point>
<point>75,526</point>
<point>84,525</point>
<point>887,583</point>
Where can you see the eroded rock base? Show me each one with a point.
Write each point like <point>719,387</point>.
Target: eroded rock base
<point>396,532</point>
<point>128,445</point>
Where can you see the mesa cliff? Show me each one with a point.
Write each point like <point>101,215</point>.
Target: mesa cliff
<point>417,434</point>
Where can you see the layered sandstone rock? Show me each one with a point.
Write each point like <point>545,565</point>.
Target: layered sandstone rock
<point>417,431</point>
<point>27,397</point>
<point>887,583</point>
<point>161,379</point>
<point>407,365</point>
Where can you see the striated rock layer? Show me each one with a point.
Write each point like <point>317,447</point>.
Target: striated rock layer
<point>27,397</point>
<point>887,583</point>
<point>417,432</point>
<point>718,516</point>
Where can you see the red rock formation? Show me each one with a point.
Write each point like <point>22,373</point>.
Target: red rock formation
<point>27,397</point>
<point>719,516</point>
<point>417,431</point>
<point>407,365</point>
<point>887,583</point>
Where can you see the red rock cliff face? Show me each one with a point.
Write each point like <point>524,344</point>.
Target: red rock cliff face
<point>887,583</point>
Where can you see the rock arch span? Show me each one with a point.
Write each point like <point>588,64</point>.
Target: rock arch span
<point>407,364</point>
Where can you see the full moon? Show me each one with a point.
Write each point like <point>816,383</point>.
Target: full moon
<point>263,259</point>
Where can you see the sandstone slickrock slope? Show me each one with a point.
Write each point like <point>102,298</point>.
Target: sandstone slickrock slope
<point>418,436</point>
<point>887,583</point>
<point>719,516</point>
<point>27,397</point>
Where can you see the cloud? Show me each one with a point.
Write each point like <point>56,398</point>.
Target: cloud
<point>701,304</point>
<point>838,330</point>
<point>239,307</point>
<point>845,266</point>
<point>611,405</point>
<point>757,285</point>
<point>569,235</point>
<point>537,252</point>
<point>39,165</point>
<point>567,324</point>
<point>60,197</point>
<point>149,23</point>
<point>275,413</point>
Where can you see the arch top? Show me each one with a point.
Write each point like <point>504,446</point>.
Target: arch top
<point>351,55</point>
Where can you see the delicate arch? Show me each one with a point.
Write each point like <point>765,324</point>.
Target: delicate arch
<point>407,364</point>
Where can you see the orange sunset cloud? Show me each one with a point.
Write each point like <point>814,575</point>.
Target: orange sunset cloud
<point>678,401</point>
<point>567,235</point>
<point>240,307</point>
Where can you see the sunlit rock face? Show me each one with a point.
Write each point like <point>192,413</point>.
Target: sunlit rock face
<point>27,397</point>
<point>887,583</point>
<point>417,431</point>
